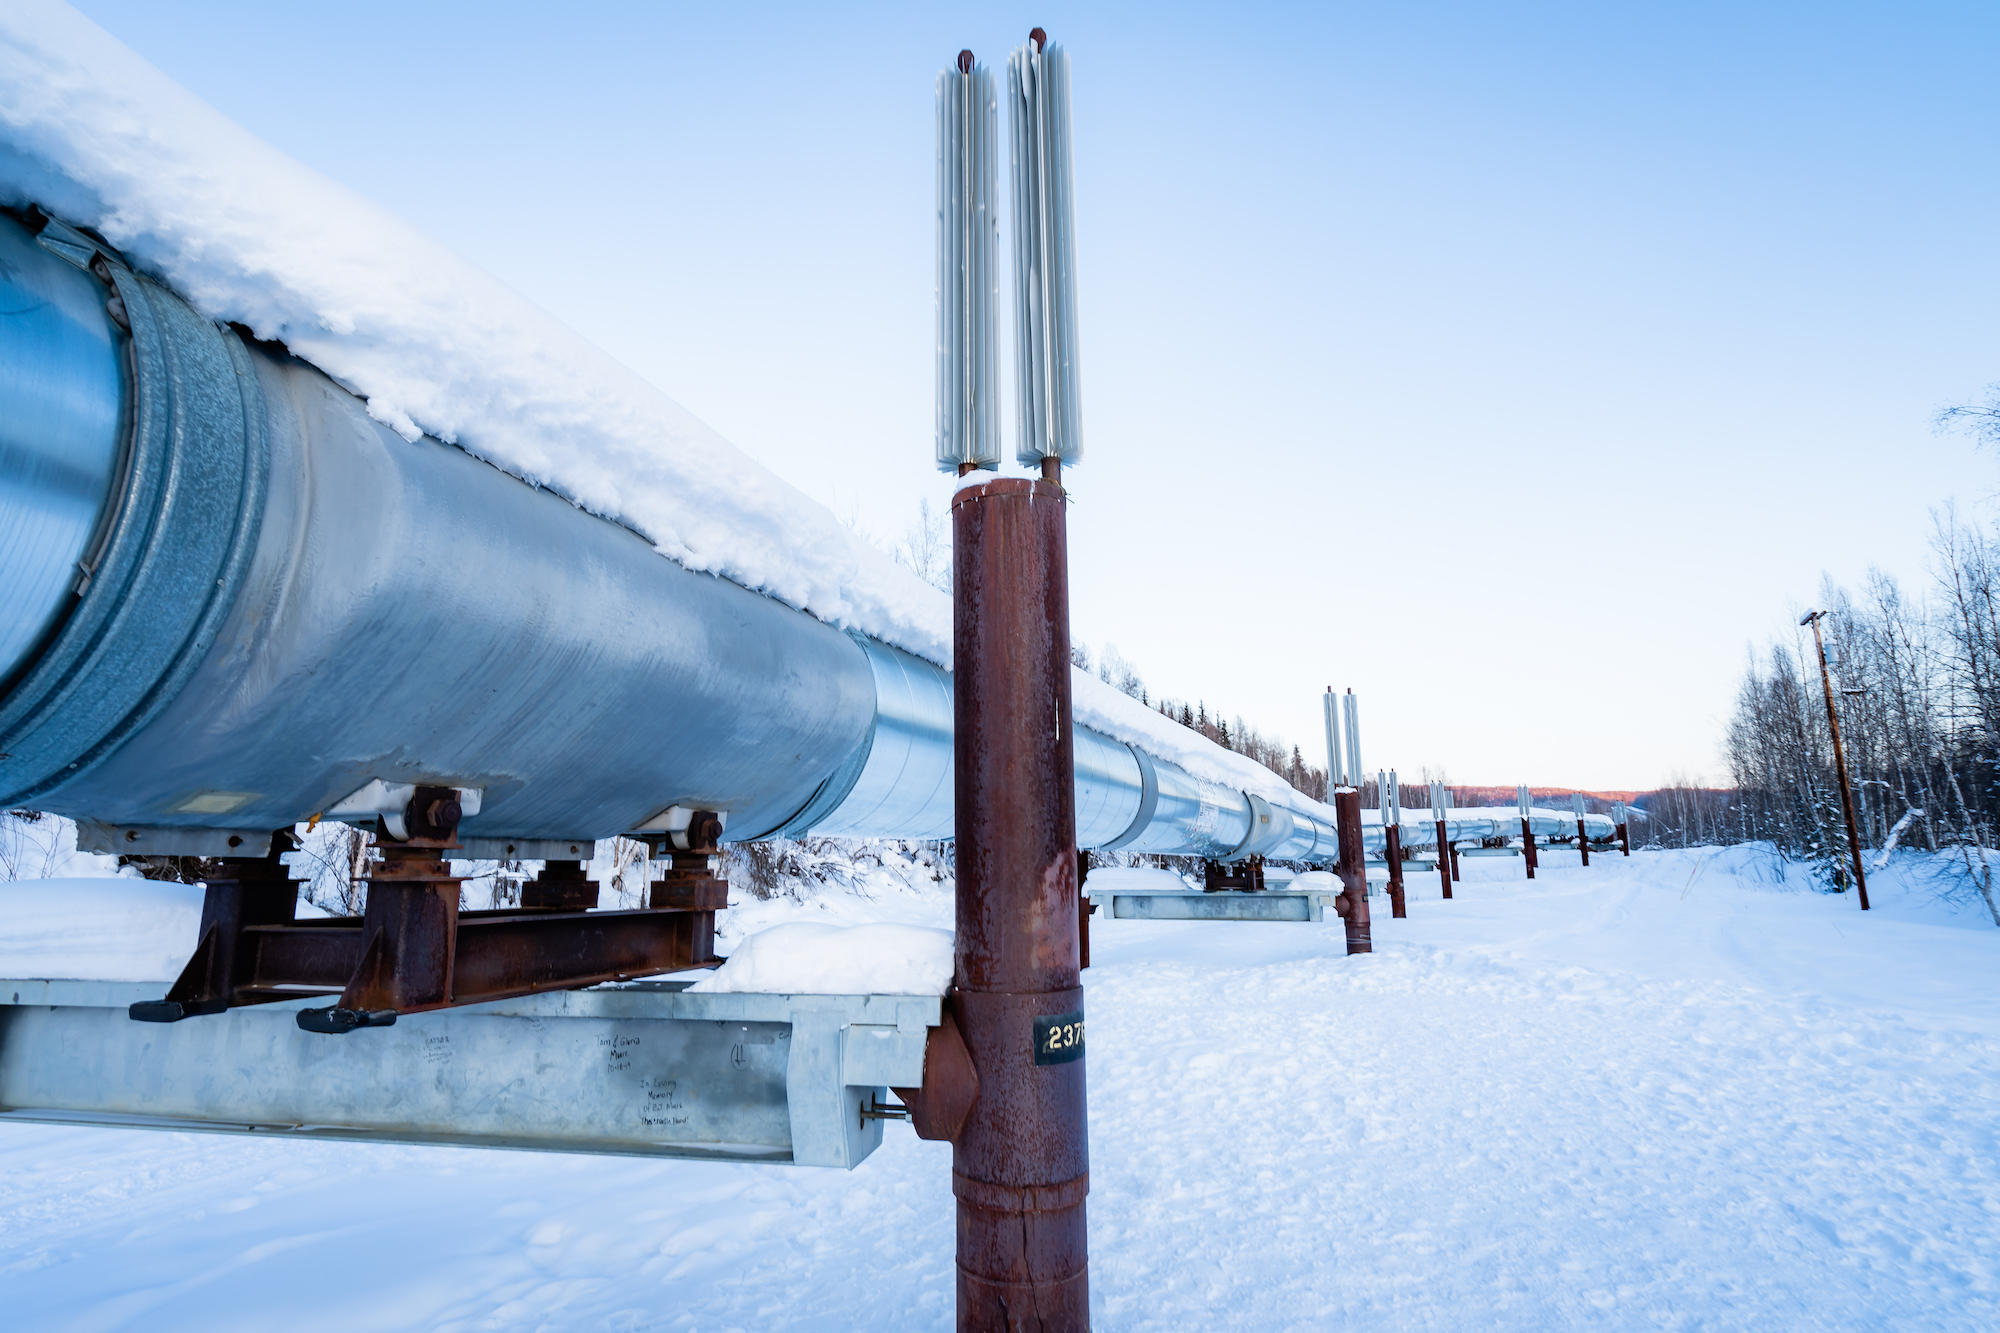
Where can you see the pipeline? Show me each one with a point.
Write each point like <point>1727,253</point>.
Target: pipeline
<point>230,600</point>
<point>1419,829</point>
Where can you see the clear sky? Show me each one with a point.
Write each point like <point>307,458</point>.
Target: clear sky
<point>1518,366</point>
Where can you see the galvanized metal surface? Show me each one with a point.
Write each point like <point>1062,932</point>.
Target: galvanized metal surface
<point>586,692</point>
<point>1048,399</point>
<point>1223,905</point>
<point>1020,1165</point>
<point>1110,787</point>
<point>175,550</point>
<point>63,388</point>
<point>968,276</point>
<point>903,788</point>
<point>643,1070</point>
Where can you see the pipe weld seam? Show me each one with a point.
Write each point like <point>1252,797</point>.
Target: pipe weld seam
<point>1055,1198</point>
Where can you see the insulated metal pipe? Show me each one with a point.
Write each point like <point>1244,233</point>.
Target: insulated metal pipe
<point>229,598</point>
<point>62,383</point>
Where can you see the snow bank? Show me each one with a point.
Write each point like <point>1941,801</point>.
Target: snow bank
<point>1618,1098</point>
<point>806,958</point>
<point>434,344</point>
<point>105,929</point>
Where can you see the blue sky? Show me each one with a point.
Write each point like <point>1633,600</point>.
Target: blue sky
<point>1517,366</point>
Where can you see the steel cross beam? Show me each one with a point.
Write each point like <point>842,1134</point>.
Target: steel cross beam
<point>413,950</point>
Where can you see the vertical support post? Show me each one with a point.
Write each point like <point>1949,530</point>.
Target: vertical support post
<point>1352,904</point>
<point>1020,1163</point>
<point>1083,910</point>
<point>1582,837</point>
<point>689,882</point>
<point>410,924</point>
<point>242,891</point>
<point>1525,801</point>
<point>1840,762</point>
<point>1450,803</point>
<point>1392,838</point>
<point>1624,841</point>
<point>1443,836</point>
<point>1446,858</point>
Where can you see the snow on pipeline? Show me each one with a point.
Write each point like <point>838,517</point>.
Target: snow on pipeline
<point>91,131</point>
<point>438,346</point>
<point>1675,1091</point>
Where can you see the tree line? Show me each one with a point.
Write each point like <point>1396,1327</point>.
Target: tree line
<point>1274,753</point>
<point>1917,693</point>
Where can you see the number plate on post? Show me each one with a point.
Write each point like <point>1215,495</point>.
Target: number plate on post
<point>1059,1038</point>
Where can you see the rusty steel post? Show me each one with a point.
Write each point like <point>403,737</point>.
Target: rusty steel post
<point>1528,847</point>
<point>1084,908</point>
<point>1392,843</point>
<point>1445,859</point>
<point>1583,843</point>
<point>241,893</point>
<point>1020,1163</point>
<point>1352,904</point>
<point>1624,840</point>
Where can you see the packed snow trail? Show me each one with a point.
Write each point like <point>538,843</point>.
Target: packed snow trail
<point>1664,1092</point>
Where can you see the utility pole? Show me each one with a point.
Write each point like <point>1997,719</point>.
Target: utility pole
<point>1839,756</point>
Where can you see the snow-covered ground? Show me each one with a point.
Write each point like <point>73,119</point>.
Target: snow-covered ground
<point>1668,1092</point>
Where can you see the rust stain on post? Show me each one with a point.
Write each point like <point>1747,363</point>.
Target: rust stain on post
<point>1020,1164</point>
<point>1445,859</point>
